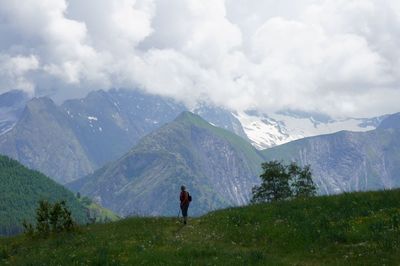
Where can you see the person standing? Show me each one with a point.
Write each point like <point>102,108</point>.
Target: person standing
<point>185,199</point>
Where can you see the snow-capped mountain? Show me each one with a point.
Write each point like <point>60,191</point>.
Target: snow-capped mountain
<point>262,130</point>
<point>265,131</point>
<point>70,140</point>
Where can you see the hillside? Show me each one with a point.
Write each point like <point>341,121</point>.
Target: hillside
<point>349,161</point>
<point>347,229</point>
<point>217,166</point>
<point>20,191</point>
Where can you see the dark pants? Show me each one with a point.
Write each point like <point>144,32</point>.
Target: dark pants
<point>184,209</point>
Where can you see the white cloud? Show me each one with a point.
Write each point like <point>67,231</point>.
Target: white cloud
<point>337,57</point>
<point>14,72</point>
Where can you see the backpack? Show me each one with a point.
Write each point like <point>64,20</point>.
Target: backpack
<point>189,197</point>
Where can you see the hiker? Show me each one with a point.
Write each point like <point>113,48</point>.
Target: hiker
<point>185,199</point>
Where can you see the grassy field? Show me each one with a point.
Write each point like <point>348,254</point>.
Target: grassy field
<point>348,229</point>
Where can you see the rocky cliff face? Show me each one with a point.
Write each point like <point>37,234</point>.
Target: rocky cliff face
<point>218,167</point>
<point>348,161</point>
<point>43,140</point>
<point>70,141</point>
<point>12,104</point>
<point>108,124</point>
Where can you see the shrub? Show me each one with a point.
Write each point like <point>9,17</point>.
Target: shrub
<point>281,182</point>
<point>50,218</point>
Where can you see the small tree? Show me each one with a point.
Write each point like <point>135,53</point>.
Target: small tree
<point>51,218</point>
<point>281,182</point>
<point>275,183</point>
<point>303,185</point>
<point>43,217</point>
<point>61,218</point>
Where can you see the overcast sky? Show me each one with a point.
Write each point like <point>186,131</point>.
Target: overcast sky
<point>339,57</point>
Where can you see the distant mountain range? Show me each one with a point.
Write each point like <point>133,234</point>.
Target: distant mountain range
<point>217,166</point>
<point>71,140</point>
<point>349,161</point>
<point>220,168</point>
<point>142,155</point>
<point>74,139</point>
<point>269,130</point>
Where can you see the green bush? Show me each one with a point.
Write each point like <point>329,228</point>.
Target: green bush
<point>281,182</point>
<point>50,218</point>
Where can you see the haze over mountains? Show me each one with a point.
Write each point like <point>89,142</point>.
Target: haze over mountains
<point>69,141</point>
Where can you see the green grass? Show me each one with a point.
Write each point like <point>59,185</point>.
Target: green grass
<point>97,211</point>
<point>347,229</point>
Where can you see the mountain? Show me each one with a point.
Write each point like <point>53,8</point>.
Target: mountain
<point>12,104</point>
<point>349,161</point>
<point>221,118</point>
<point>73,139</point>
<point>190,151</point>
<point>108,124</point>
<point>20,191</point>
<point>391,122</point>
<point>217,166</point>
<point>44,139</point>
<point>269,130</point>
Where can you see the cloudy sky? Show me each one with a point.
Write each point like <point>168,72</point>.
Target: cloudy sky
<point>339,57</point>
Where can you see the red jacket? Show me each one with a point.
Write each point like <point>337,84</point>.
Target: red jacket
<point>184,198</point>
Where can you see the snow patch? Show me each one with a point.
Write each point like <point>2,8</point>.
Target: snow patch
<point>266,131</point>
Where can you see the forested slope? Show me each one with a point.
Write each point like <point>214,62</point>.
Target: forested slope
<point>20,191</point>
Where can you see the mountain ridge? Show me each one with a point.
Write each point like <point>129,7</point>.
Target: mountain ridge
<point>104,125</point>
<point>348,161</point>
<point>217,166</point>
<point>42,139</point>
<point>12,104</point>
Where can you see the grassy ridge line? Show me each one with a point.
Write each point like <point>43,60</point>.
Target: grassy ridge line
<point>354,228</point>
